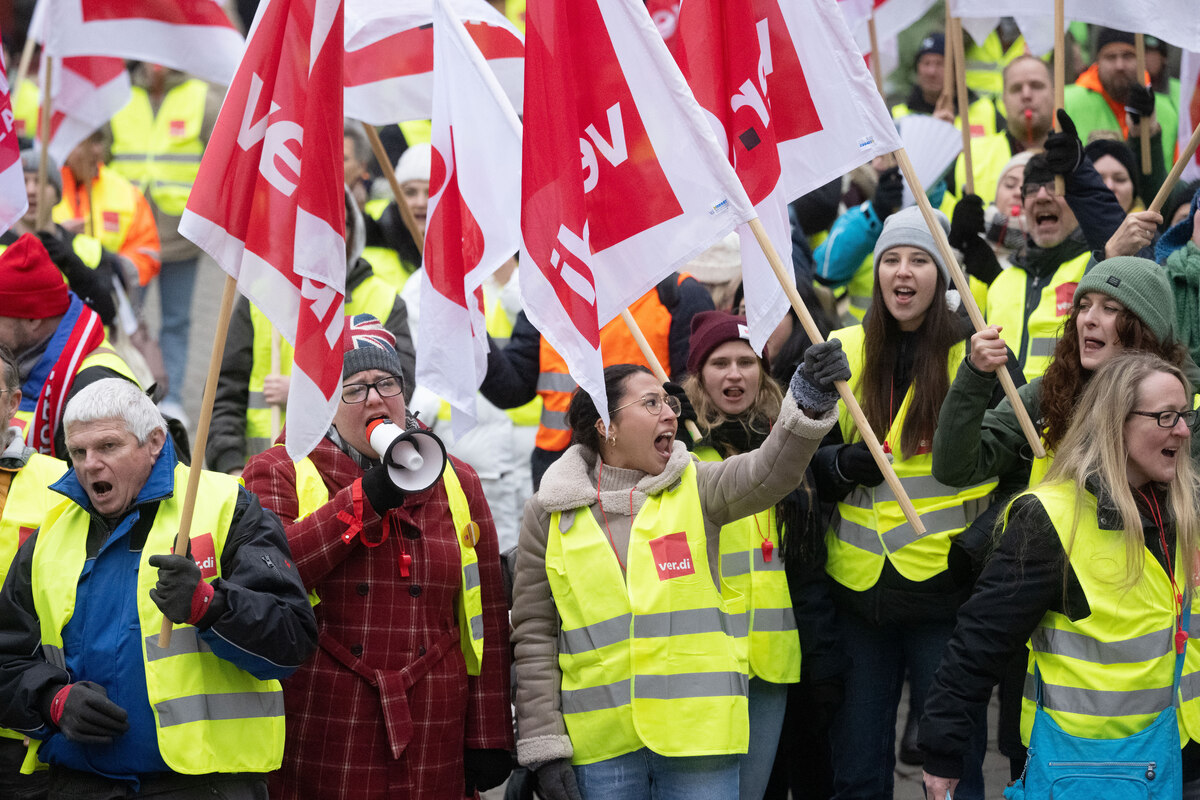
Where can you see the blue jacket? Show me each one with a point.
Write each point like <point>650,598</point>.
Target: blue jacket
<point>260,620</point>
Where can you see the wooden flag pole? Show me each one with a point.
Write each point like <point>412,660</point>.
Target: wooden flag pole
<point>390,173</point>
<point>42,219</point>
<point>1060,79</point>
<point>843,388</point>
<point>1139,43</point>
<point>948,68</point>
<point>655,365</point>
<point>964,118</point>
<point>968,299</point>
<point>1165,191</point>
<point>24,64</point>
<point>276,409</point>
<point>206,405</point>
<point>875,71</point>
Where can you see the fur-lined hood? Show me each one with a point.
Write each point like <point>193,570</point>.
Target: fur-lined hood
<point>568,483</point>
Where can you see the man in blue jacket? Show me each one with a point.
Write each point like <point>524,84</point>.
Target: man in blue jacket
<point>81,672</point>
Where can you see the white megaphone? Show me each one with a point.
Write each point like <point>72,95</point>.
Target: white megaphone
<point>414,458</point>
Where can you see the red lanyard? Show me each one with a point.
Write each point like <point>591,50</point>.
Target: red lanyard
<point>613,544</point>
<point>1156,514</point>
<point>768,546</point>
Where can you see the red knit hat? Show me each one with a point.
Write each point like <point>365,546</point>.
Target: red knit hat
<point>710,330</point>
<point>31,287</point>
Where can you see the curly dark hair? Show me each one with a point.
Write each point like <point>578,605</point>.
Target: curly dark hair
<point>1065,378</point>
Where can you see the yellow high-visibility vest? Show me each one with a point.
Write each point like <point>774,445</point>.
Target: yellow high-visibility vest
<point>870,528</point>
<point>210,715</point>
<point>774,646</point>
<point>650,658</point>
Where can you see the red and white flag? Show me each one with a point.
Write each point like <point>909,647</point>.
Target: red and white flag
<point>1174,21</point>
<point>474,193</point>
<point>194,36</point>
<point>654,188</point>
<point>1189,109</point>
<point>85,92</point>
<point>389,56</point>
<point>789,96</point>
<point>268,204</point>
<point>892,17</point>
<point>13,200</point>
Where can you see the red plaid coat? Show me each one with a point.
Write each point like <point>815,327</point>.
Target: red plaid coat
<point>385,707</point>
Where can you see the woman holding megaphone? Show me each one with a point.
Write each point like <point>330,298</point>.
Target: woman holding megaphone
<point>631,664</point>
<point>408,694</point>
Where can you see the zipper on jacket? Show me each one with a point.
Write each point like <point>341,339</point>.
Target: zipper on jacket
<point>1149,766</point>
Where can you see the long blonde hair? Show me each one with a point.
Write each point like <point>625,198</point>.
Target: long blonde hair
<point>757,419</point>
<point>1094,448</point>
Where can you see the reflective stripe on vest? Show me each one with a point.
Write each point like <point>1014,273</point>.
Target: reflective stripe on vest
<point>1038,333</point>
<point>372,296</point>
<point>29,499</point>
<point>194,695</point>
<point>311,494</point>
<point>774,643</point>
<point>555,383</point>
<point>648,659</point>
<point>870,527</point>
<point>161,152</point>
<point>1109,674</point>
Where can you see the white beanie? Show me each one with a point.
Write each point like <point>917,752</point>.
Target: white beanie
<point>414,163</point>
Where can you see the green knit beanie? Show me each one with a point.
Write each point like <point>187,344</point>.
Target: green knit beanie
<point>1140,285</point>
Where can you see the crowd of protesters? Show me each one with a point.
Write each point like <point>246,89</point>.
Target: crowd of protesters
<point>713,594</point>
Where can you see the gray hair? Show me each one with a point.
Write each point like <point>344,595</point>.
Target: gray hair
<point>115,398</point>
<point>358,138</point>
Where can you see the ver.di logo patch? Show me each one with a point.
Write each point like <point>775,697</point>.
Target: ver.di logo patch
<point>672,556</point>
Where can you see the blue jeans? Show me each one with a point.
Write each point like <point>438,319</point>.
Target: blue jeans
<point>175,284</point>
<point>767,704</point>
<point>863,735</point>
<point>645,775</point>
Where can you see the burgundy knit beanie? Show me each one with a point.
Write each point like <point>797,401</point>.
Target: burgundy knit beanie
<point>31,287</point>
<point>710,330</point>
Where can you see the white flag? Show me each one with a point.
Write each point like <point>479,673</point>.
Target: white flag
<point>474,227</point>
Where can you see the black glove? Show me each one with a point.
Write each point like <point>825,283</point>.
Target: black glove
<point>381,493</point>
<point>484,769</point>
<point>84,714</point>
<point>87,283</point>
<point>686,411</point>
<point>178,582</point>
<point>857,465</point>
<point>812,385</point>
<point>889,194</point>
<point>968,222</point>
<point>1140,103</point>
<point>1064,151</point>
<point>821,700</point>
<point>556,781</point>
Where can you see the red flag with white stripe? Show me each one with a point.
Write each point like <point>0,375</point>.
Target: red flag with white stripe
<point>474,192</point>
<point>268,204</point>
<point>194,36</point>
<point>654,188</point>
<point>389,56</point>
<point>13,200</point>
<point>85,92</point>
<point>795,107</point>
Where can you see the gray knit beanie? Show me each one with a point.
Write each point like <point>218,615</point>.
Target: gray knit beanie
<point>907,228</point>
<point>366,344</point>
<point>1140,285</point>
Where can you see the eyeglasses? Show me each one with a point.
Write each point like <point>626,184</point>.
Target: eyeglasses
<point>653,404</point>
<point>386,387</point>
<point>1029,190</point>
<point>1167,419</point>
